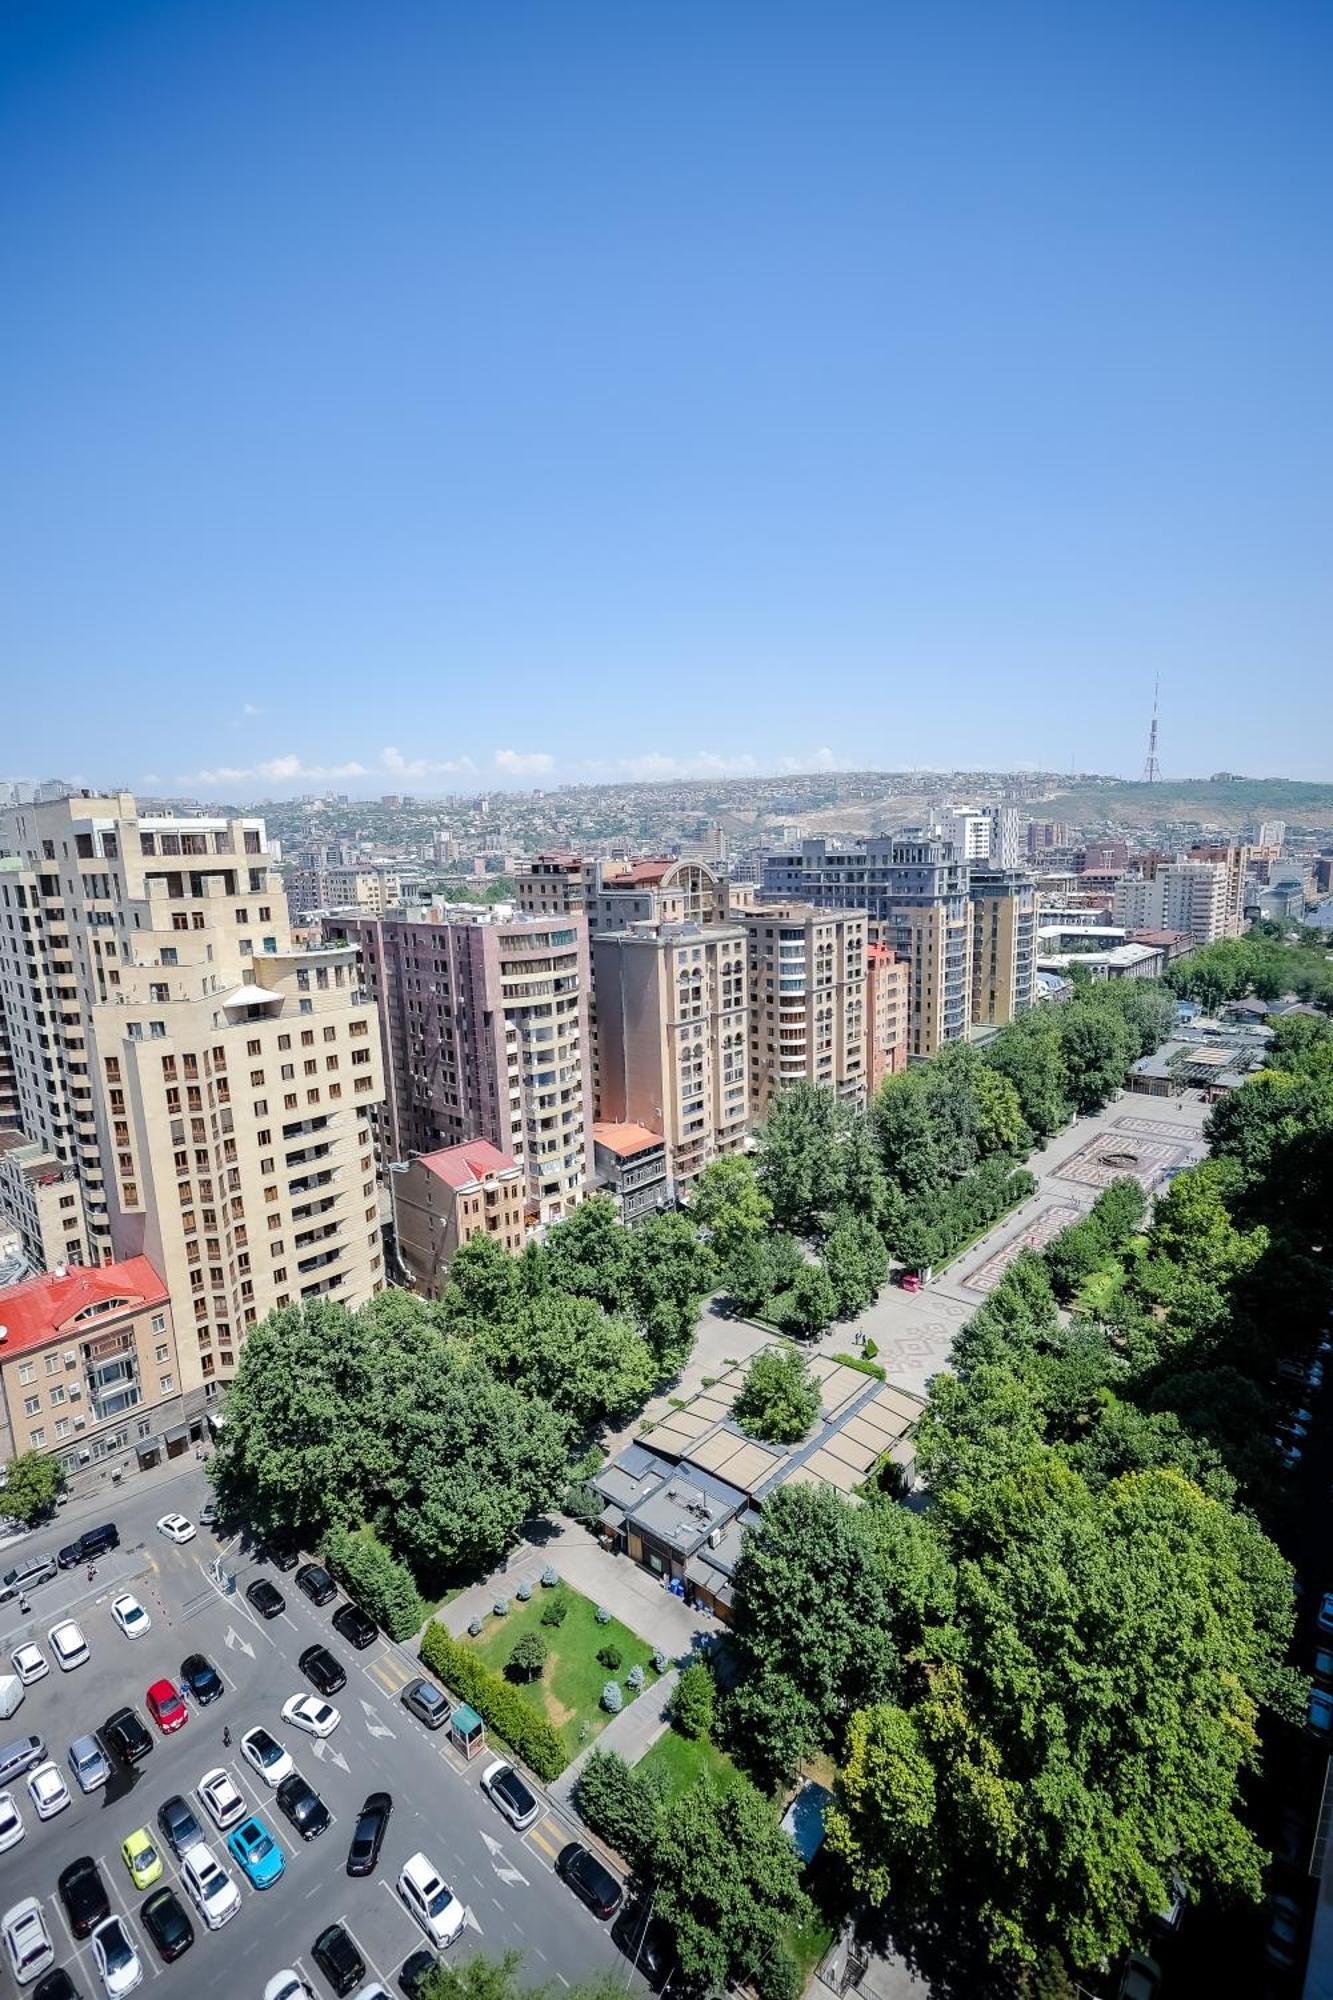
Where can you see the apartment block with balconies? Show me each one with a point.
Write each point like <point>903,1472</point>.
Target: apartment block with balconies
<point>808,1012</point>
<point>1004,945</point>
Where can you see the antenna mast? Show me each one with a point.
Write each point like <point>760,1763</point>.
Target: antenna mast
<point>1152,770</point>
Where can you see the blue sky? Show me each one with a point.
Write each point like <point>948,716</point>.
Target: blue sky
<point>426,396</point>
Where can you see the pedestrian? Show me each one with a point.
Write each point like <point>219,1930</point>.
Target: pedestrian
<point>92,1571</point>
<point>24,1607</point>
<point>226,1737</point>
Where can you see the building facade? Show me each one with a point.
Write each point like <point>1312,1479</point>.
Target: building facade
<point>442,1200</point>
<point>1195,899</point>
<point>631,1166</point>
<point>808,1013</point>
<point>204,1085</point>
<point>1138,903</point>
<point>484,1025</point>
<point>1237,864</point>
<point>673,1024</point>
<point>886,1015</point>
<point>1004,945</point>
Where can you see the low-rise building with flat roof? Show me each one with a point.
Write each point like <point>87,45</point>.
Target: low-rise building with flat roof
<point>630,1164</point>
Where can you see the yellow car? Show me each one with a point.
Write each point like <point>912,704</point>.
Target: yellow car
<point>141,1858</point>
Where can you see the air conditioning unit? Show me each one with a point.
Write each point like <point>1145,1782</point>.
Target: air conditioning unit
<point>74,1392</point>
<point>714,1538</point>
<point>80,1423</point>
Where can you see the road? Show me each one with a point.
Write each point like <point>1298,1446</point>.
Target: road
<point>506,1880</point>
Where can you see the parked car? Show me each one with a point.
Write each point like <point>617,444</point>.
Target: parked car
<point>415,1970</point>
<point>29,1663</point>
<point>368,1834</point>
<point>1284,1931</point>
<point>264,1754</point>
<point>428,1897</point>
<point>11,1822</point>
<point>358,1630</point>
<point>280,1554</point>
<point>287,1986</point>
<point>28,1945</point>
<point>1319,1714</point>
<point>338,1959</point>
<point>83,1892</point>
<point>316,1582</point>
<point>306,1711</point>
<point>71,1555</point>
<point>424,1700</point>
<point>176,1528</point>
<point>68,1645</point>
<point>265,1597</point>
<point>221,1800</point>
<point>303,1806</point>
<point>209,1887</point>
<point>57,1985</point>
<point>130,1615</point>
<point>94,1543</point>
<point>164,1704</point>
<point>177,1823</point>
<point>141,1857</point>
<point>321,1666</point>
<point>163,1917</point>
<point>505,1789</point>
<point>201,1680</point>
<point>87,1760</point>
<point>124,1734</point>
<point>647,1942</point>
<point>48,1791</point>
<point>589,1879</point>
<point>256,1852</point>
<point>115,1958</point>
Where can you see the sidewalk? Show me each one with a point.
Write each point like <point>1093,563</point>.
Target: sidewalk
<point>631,1733</point>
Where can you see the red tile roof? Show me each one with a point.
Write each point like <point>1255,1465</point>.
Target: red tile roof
<point>43,1309</point>
<point>623,1140</point>
<point>638,871</point>
<point>463,1166</point>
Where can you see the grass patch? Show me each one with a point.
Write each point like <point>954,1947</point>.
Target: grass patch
<point>569,1691</point>
<point>1099,1290</point>
<point>685,1761</point>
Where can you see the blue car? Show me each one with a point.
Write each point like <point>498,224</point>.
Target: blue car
<point>257,1851</point>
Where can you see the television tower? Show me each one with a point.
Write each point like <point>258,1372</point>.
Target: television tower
<point>1152,770</point>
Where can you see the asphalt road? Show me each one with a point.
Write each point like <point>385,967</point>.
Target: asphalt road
<point>506,1879</point>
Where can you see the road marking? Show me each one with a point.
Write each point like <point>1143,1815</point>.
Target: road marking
<point>232,1638</point>
<point>535,1833</point>
<point>500,1863</point>
<point>323,1748</point>
<point>364,1953</point>
<point>374,1721</point>
<point>390,1673</point>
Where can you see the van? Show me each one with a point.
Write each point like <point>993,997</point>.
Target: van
<point>26,1576</point>
<point>11,1694</point>
<point>96,1541</point>
<point>17,1759</point>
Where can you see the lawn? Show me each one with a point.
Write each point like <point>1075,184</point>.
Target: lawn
<point>569,1691</point>
<point>684,1761</point>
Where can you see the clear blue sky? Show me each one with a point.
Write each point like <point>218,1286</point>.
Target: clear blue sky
<point>507,392</point>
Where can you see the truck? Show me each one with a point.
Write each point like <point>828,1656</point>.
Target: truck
<point>11,1694</point>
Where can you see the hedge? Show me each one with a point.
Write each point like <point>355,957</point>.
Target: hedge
<point>500,1706</point>
<point>384,1587</point>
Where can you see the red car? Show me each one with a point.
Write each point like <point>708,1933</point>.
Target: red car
<point>166,1707</point>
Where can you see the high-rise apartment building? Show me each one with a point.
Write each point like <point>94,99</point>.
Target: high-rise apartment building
<point>1195,899</point>
<point>1007,844</point>
<point>1139,903</point>
<point>887,978</point>
<point>970,832</point>
<point>673,1036</point>
<point>808,1018</point>
<point>914,887</point>
<point>615,894</point>
<point>187,1078</point>
<point>1004,945</point>
<point>484,1024</point>
<point>373,886</point>
<point>1237,862</point>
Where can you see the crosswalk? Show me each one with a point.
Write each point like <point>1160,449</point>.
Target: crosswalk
<point>391,1673</point>
<point>544,1832</point>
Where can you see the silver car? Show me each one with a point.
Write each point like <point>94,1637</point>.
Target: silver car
<point>88,1762</point>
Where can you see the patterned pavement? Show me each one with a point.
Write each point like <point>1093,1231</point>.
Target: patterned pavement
<point>1110,1155</point>
<point>1046,1223</point>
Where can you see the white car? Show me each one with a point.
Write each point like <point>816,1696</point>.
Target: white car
<point>286,1986</point>
<point>308,1712</point>
<point>48,1790</point>
<point>29,1663</point>
<point>264,1754</point>
<point>27,1940</point>
<point>11,1825</point>
<point>209,1887</point>
<point>130,1615</point>
<point>67,1642</point>
<point>220,1799</point>
<point>176,1528</point>
<point>115,1957</point>
<point>431,1901</point>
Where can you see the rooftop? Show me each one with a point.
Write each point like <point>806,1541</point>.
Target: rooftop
<point>468,1165</point>
<point>57,1304</point>
<point>626,1139</point>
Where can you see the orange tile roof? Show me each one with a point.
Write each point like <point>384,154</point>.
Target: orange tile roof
<point>462,1166</point>
<point>625,1139</point>
<point>42,1309</point>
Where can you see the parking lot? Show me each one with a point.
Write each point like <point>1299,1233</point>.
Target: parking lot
<point>506,1879</point>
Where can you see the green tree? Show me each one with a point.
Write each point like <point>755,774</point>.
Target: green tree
<point>1000,1126</point>
<point>812,1303</point>
<point>568,1353</point>
<point>485,1284</point>
<point>622,1806</point>
<point>856,1262</point>
<point>727,1200</point>
<point>671,1274</point>
<point>779,1399</point>
<point>800,1164</point>
<point>1098,1048</point>
<point>29,1492</point>
<point>693,1705</point>
<point>527,1657</point>
<point>588,1255</point>
<point>1030,1055</point>
<point>728,1884</point>
<point>483,1978</point>
<point>384,1588</point>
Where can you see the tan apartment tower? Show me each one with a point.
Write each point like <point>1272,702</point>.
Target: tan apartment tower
<point>886,1015</point>
<point>808,1016</point>
<point>205,1084</point>
<point>1004,945</point>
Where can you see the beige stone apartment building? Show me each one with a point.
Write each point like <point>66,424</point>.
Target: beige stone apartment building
<point>886,1015</point>
<point>808,1014</point>
<point>1004,945</point>
<point>442,1200</point>
<point>672,1036</point>
<point>1197,899</point>
<point>207,1083</point>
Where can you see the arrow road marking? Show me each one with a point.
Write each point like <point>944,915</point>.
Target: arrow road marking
<point>323,1748</point>
<point>373,1722</point>
<point>503,1868</point>
<point>469,1921</point>
<point>234,1639</point>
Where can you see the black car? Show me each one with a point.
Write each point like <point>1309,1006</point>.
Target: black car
<point>647,1943</point>
<point>280,1554</point>
<point>368,1834</point>
<point>316,1582</point>
<point>415,1971</point>
<point>424,1700</point>
<point>318,1664</point>
<point>358,1630</point>
<point>266,1598</point>
<point>71,1555</point>
<point>201,1679</point>
<point>590,1881</point>
<point>57,1985</point>
<point>338,1959</point>
<point>180,1828</point>
<point>95,1542</point>
<point>303,1806</point>
<point>83,1893</point>
<point>125,1734</point>
<point>166,1923</point>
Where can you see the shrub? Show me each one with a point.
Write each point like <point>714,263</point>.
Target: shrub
<point>524,1591</point>
<point>779,1399</point>
<point>384,1587</point>
<point>694,1704</point>
<point>474,1627</point>
<point>582,1502</point>
<point>603,1615</point>
<point>870,1350</point>
<point>620,1805</point>
<point>659,1661</point>
<point>634,1678</point>
<point>550,1577</point>
<point>612,1699</point>
<point>610,1656</point>
<point>501,1607</point>
<point>861,1366</point>
<point>527,1657</point>
<point>529,1734</point>
<point>556,1612</point>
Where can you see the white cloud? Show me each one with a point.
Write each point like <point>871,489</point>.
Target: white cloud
<point>272,770</point>
<point>524,763</point>
<point>251,708</point>
<point>652,766</point>
<point>423,767</point>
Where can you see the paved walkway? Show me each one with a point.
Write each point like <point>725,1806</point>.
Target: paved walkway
<point>632,1733</point>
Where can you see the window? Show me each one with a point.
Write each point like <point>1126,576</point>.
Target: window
<point>162,1350</point>
<point>53,1364</point>
<point>31,1405</point>
<point>62,1427</point>
<point>37,1438</point>
<point>167,1384</point>
<point>158,1322</point>
<point>58,1393</point>
<point>27,1373</point>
